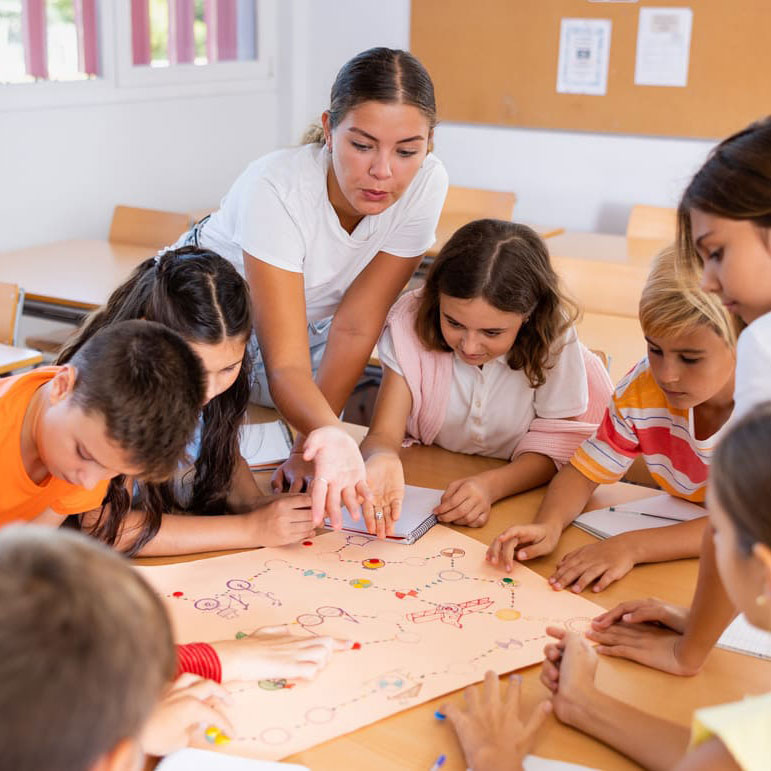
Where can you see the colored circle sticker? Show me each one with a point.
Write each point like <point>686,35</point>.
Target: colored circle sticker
<point>373,564</point>
<point>507,614</point>
<point>360,583</point>
<point>272,685</point>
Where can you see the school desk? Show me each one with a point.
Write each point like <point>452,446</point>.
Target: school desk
<point>620,338</point>
<point>65,279</point>
<point>12,358</point>
<point>604,272</point>
<point>414,738</point>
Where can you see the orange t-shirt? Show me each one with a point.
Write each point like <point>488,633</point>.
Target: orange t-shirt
<point>20,498</point>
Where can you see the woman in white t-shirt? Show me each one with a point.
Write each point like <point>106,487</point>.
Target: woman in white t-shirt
<point>334,228</point>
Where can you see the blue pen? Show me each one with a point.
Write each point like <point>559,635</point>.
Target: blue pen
<point>438,763</point>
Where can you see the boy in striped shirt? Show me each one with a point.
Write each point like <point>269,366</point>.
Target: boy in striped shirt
<point>669,409</point>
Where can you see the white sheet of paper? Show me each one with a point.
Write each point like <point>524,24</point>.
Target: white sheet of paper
<point>663,47</point>
<point>742,637</point>
<point>666,506</point>
<point>536,763</point>
<point>657,511</point>
<point>263,443</point>
<point>584,55</point>
<point>202,760</point>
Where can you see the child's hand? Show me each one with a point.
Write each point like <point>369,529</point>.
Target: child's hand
<point>490,729</point>
<point>606,562</point>
<point>465,502</point>
<point>568,671</point>
<point>385,477</point>
<point>190,707</point>
<point>285,519</point>
<point>633,630</point>
<point>338,473</point>
<point>293,475</point>
<point>270,653</point>
<point>537,539</point>
<point>650,610</point>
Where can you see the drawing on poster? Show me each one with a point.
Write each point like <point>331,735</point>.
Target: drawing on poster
<point>425,619</point>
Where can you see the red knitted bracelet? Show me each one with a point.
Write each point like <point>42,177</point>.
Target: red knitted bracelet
<point>199,659</point>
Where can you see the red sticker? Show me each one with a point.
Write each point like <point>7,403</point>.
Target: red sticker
<point>356,646</point>
<point>178,594</point>
<point>307,543</point>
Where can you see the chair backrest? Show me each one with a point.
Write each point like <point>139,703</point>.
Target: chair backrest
<point>11,298</point>
<point>147,227</point>
<point>652,222</point>
<point>479,203</point>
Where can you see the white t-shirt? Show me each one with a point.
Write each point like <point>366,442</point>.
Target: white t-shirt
<point>490,408</point>
<point>753,366</point>
<point>278,211</point>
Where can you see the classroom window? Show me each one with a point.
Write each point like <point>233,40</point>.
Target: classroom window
<point>165,33</point>
<point>42,40</point>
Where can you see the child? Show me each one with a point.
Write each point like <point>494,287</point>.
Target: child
<point>83,668</point>
<point>724,227</point>
<point>126,404</point>
<point>669,409</point>
<point>728,736</point>
<point>202,297</point>
<point>484,360</point>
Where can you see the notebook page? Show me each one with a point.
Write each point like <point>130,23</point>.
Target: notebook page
<point>203,760</point>
<point>742,637</point>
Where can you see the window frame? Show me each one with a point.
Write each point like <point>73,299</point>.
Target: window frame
<point>120,81</point>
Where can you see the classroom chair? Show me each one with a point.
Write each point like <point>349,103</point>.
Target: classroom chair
<point>130,225</point>
<point>11,303</point>
<point>465,204</point>
<point>146,227</point>
<point>659,222</point>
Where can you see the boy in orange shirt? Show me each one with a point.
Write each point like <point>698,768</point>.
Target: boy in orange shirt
<point>127,404</point>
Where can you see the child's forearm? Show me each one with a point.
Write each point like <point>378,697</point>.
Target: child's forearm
<point>531,469</point>
<point>188,534</point>
<point>661,544</point>
<point>650,741</point>
<point>376,441</point>
<point>711,610</point>
<point>244,494</point>
<point>565,498</point>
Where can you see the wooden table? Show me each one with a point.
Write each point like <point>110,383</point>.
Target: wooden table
<point>12,358</point>
<point>76,275</point>
<point>412,739</point>
<point>604,272</point>
<point>620,338</point>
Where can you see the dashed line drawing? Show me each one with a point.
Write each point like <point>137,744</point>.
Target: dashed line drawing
<point>437,608</point>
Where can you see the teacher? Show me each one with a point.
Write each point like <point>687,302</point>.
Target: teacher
<point>327,234</point>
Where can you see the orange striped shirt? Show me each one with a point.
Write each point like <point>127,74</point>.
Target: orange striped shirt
<point>640,421</point>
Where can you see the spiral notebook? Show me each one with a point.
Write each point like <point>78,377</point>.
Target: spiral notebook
<point>414,521</point>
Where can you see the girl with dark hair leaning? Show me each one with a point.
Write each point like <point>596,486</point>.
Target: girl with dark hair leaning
<point>327,235</point>
<point>199,295</point>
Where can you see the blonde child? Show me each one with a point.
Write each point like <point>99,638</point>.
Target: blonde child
<point>724,228</point>
<point>483,360</point>
<point>728,736</point>
<point>670,410</point>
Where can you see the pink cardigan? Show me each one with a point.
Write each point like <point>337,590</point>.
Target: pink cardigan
<point>429,377</point>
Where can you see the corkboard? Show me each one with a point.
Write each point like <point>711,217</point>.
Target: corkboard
<point>495,62</point>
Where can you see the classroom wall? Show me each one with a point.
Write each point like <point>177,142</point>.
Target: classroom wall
<point>65,168</point>
<point>69,166</point>
<point>580,181</point>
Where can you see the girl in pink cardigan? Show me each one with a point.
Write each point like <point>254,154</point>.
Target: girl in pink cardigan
<point>482,360</point>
